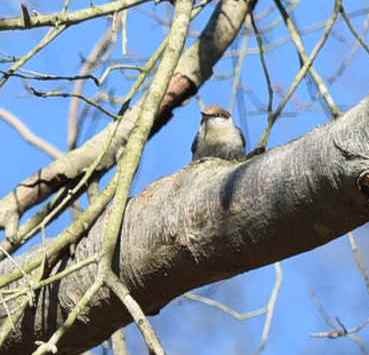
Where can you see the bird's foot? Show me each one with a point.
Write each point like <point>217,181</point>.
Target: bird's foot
<point>256,151</point>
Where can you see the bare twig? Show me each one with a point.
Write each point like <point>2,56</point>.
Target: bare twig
<point>118,341</point>
<point>296,37</point>
<point>124,15</point>
<point>56,277</point>
<point>151,339</point>
<point>49,37</point>
<point>259,41</point>
<point>352,28</point>
<point>237,92</point>
<point>7,326</point>
<point>338,328</point>
<point>350,56</point>
<point>66,5</point>
<point>270,308</point>
<point>113,67</point>
<point>70,235</point>
<point>92,61</point>
<point>241,316</point>
<point>45,94</point>
<point>29,136</point>
<point>69,18</point>
<point>306,67</point>
<point>5,306</point>
<point>268,80</point>
<point>359,260</point>
<point>50,346</point>
<point>30,75</point>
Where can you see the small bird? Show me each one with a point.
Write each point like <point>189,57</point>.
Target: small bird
<point>218,136</point>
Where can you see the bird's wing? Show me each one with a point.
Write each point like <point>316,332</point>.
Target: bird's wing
<point>194,144</point>
<point>242,137</point>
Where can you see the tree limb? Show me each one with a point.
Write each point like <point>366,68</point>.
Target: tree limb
<point>210,221</point>
<point>194,68</point>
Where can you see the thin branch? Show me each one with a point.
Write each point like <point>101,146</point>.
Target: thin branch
<point>50,346</point>
<point>113,67</point>
<point>237,93</point>
<point>129,162</point>
<point>241,316</point>
<point>50,212</point>
<point>49,37</point>
<point>124,15</point>
<point>305,69</point>
<point>184,85</point>
<point>352,28</point>
<point>92,61</point>
<point>58,276</point>
<point>7,310</point>
<point>30,75</point>
<point>339,330</point>
<point>270,308</point>
<point>118,341</point>
<point>151,339</point>
<point>7,326</point>
<point>29,136</point>
<point>259,39</point>
<point>72,193</point>
<point>70,235</point>
<point>126,169</point>
<point>66,5</point>
<point>350,56</point>
<point>296,37</point>
<point>359,260</point>
<point>46,94</point>
<point>20,269</point>
<point>69,18</point>
<point>10,245</point>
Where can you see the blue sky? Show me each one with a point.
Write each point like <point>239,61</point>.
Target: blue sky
<point>186,327</point>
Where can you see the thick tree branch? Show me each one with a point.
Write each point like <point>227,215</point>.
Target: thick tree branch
<point>210,221</point>
<point>194,68</point>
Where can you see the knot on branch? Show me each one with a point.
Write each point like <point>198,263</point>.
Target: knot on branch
<point>180,88</point>
<point>362,182</point>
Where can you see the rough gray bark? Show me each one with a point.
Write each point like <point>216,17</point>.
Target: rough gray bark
<point>194,68</point>
<point>213,220</point>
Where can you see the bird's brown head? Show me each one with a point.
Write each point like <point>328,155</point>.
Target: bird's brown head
<point>214,111</point>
